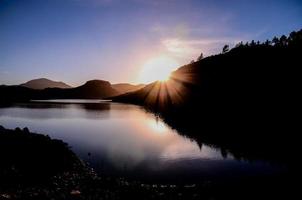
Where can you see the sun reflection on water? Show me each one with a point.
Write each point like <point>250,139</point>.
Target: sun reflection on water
<point>158,126</point>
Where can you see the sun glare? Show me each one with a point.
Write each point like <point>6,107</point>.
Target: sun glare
<point>157,69</point>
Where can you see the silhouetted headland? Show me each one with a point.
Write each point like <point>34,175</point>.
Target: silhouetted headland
<point>239,100</point>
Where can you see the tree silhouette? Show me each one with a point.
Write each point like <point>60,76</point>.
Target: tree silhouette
<point>225,48</point>
<point>200,57</point>
<point>267,43</point>
<point>292,36</point>
<point>253,43</point>
<point>275,41</point>
<point>293,40</point>
<point>283,40</point>
<point>240,44</point>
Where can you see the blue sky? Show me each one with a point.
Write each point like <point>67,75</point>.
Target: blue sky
<point>77,40</point>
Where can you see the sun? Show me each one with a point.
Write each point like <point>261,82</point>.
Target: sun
<point>157,69</point>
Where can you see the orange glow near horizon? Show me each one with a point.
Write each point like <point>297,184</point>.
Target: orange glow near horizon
<point>169,87</point>
<point>163,94</point>
<point>157,69</point>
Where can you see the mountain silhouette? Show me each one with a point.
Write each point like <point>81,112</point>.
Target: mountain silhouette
<point>93,89</point>
<point>43,83</point>
<point>126,87</point>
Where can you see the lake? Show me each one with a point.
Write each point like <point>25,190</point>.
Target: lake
<point>122,140</point>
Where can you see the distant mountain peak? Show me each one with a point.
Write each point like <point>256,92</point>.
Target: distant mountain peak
<point>96,82</point>
<point>94,89</point>
<point>42,83</point>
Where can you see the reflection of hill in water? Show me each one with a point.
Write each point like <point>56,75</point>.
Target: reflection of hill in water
<point>56,110</point>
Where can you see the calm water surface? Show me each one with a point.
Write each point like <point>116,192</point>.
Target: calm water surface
<point>125,140</point>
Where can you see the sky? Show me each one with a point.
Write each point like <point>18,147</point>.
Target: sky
<point>128,40</point>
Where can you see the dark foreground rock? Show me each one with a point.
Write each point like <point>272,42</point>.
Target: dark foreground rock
<point>34,166</point>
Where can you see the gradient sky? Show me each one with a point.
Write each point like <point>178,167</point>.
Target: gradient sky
<point>77,40</point>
